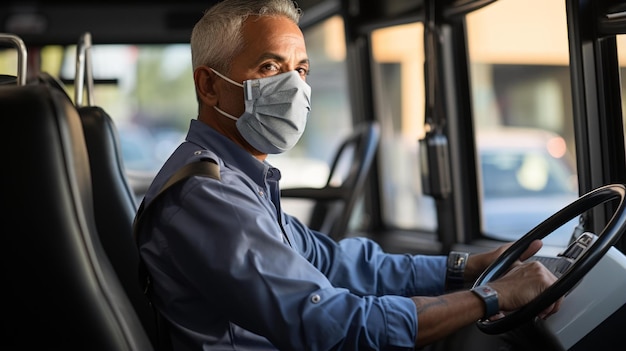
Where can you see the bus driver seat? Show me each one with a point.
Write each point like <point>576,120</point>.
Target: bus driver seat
<point>351,164</point>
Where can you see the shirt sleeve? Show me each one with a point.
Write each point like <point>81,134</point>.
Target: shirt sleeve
<point>360,265</point>
<point>224,247</point>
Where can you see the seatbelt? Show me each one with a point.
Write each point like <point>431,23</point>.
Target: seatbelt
<point>205,168</point>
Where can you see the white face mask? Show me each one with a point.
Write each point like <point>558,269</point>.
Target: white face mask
<point>277,109</point>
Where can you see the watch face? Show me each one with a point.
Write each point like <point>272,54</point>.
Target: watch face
<point>485,290</point>
<point>490,298</point>
<point>457,260</point>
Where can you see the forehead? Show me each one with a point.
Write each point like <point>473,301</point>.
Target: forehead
<point>272,34</point>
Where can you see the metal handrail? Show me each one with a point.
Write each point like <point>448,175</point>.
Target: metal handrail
<point>18,43</point>
<point>84,71</point>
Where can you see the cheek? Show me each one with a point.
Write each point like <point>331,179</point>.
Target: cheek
<point>231,99</point>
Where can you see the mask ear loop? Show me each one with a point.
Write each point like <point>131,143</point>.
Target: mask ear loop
<point>226,78</point>
<point>222,112</point>
<point>225,114</point>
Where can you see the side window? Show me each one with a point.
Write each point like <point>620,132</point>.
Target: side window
<point>398,75</point>
<point>523,116</point>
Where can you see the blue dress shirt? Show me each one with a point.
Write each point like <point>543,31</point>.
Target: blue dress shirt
<point>232,271</point>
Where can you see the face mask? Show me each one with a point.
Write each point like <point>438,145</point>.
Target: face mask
<point>277,108</point>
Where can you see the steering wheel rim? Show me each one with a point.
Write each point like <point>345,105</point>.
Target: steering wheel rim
<point>607,238</point>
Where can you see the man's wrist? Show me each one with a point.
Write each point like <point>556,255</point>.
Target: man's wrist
<point>490,299</point>
<point>455,270</point>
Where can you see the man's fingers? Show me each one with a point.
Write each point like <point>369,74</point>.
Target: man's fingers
<point>531,250</point>
<point>552,309</point>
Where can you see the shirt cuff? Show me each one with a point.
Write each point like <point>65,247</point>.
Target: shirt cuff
<point>401,321</point>
<point>430,275</point>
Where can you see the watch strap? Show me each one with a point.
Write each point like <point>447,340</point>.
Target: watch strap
<point>490,298</point>
<point>455,270</point>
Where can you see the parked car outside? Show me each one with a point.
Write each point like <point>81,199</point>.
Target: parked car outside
<point>527,175</point>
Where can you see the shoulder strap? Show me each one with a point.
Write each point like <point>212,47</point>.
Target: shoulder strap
<point>203,167</point>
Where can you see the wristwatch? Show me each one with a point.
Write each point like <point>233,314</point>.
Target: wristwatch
<point>455,269</point>
<point>490,298</point>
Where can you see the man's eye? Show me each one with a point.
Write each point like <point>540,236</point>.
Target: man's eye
<point>270,67</point>
<point>303,71</point>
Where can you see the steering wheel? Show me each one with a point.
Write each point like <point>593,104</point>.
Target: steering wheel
<point>607,238</point>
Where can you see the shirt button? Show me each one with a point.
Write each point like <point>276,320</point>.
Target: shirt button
<point>198,153</point>
<point>316,298</point>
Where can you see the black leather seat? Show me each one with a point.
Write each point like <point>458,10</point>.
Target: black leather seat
<point>334,203</point>
<point>63,292</point>
<point>115,208</point>
<point>114,201</point>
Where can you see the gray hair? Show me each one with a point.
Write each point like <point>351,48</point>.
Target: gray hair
<point>216,38</point>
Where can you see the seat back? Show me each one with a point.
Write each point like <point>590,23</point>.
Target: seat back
<point>334,203</point>
<point>113,199</point>
<point>63,290</point>
<point>115,207</point>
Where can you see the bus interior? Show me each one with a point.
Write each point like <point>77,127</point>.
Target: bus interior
<point>434,126</point>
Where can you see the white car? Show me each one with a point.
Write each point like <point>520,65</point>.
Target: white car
<point>527,176</point>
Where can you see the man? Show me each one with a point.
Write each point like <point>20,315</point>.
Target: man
<point>231,271</point>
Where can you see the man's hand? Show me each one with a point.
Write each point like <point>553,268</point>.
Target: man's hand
<point>477,263</point>
<point>522,284</point>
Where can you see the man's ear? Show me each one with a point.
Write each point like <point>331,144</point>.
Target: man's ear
<point>205,81</point>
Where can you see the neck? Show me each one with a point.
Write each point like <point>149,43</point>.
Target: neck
<point>228,128</point>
